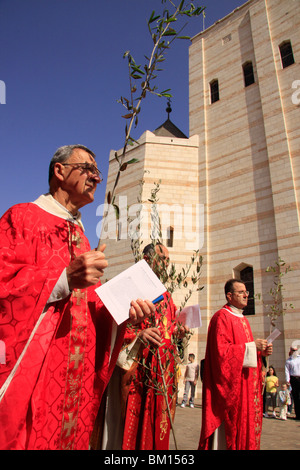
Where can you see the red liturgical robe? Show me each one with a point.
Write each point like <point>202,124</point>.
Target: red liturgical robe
<point>58,358</point>
<point>147,424</point>
<point>232,394</point>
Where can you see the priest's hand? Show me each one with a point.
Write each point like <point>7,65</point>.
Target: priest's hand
<point>140,310</point>
<point>150,335</point>
<point>263,346</point>
<point>86,269</point>
<point>181,331</point>
<point>268,351</point>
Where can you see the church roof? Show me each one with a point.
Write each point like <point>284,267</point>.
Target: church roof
<point>168,129</point>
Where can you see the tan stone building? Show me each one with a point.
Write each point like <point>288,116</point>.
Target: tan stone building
<point>232,188</point>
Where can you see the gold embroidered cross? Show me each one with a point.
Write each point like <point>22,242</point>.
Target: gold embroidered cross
<point>163,425</point>
<point>77,239</point>
<point>79,295</point>
<point>70,424</point>
<point>165,323</point>
<point>76,357</point>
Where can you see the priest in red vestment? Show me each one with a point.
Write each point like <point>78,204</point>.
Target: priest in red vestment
<point>136,413</point>
<point>61,344</point>
<point>147,423</point>
<point>232,380</point>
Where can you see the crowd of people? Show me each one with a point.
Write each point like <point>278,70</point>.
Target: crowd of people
<point>284,395</point>
<point>70,378</point>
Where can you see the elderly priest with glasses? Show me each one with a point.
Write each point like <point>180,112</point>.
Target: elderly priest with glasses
<point>60,342</point>
<point>232,380</point>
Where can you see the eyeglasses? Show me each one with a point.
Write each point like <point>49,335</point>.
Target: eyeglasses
<point>87,167</point>
<point>241,292</point>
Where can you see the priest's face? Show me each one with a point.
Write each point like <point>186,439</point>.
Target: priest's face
<point>239,297</point>
<point>80,181</point>
<point>160,262</point>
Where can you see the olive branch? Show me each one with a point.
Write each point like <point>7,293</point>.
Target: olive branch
<point>166,358</point>
<point>277,307</point>
<point>161,28</point>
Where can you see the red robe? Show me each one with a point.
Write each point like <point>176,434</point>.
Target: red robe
<point>54,395</point>
<point>231,394</point>
<point>147,424</point>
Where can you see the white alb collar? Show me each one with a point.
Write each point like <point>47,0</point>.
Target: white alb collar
<point>49,204</point>
<point>235,311</point>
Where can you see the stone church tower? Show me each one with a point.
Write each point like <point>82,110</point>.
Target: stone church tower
<point>232,189</point>
<point>165,156</point>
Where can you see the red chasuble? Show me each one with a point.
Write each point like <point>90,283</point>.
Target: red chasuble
<point>58,358</point>
<point>147,424</point>
<point>231,394</point>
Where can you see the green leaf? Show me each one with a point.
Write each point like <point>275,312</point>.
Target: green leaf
<point>171,32</point>
<point>117,211</point>
<point>137,69</point>
<point>165,95</point>
<point>127,116</point>
<point>171,19</point>
<point>133,160</point>
<point>153,17</point>
<point>136,76</point>
<point>181,5</point>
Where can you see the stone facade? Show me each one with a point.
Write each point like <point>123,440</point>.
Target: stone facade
<point>240,167</point>
<point>249,156</point>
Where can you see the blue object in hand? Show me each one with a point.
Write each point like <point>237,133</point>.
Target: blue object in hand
<point>158,299</point>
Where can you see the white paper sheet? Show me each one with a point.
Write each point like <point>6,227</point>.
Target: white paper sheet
<point>190,316</point>
<point>273,336</point>
<point>136,282</point>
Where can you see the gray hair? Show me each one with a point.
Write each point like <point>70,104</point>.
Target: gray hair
<point>63,153</point>
<point>149,250</point>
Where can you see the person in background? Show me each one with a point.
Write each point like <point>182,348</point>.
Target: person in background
<point>190,381</point>
<point>272,383</point>
<point>292,377</point>
<point>284,400</point>
<point>232,381</point>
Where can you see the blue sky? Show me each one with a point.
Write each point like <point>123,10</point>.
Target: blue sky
<point>63,68</point>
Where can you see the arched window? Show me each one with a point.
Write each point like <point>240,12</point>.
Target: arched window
<point>170,235</point>
<point>214,91</point>
<point>286,53</point>
<point>244,273</point>
<point>246,276</point>
<point>248,73</point>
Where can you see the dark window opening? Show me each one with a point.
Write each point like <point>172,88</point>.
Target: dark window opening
<point>170,235</point>
<point>246,276</point>
<point>214,91</point>
<point>286,53</point>
<point>248,73</point>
